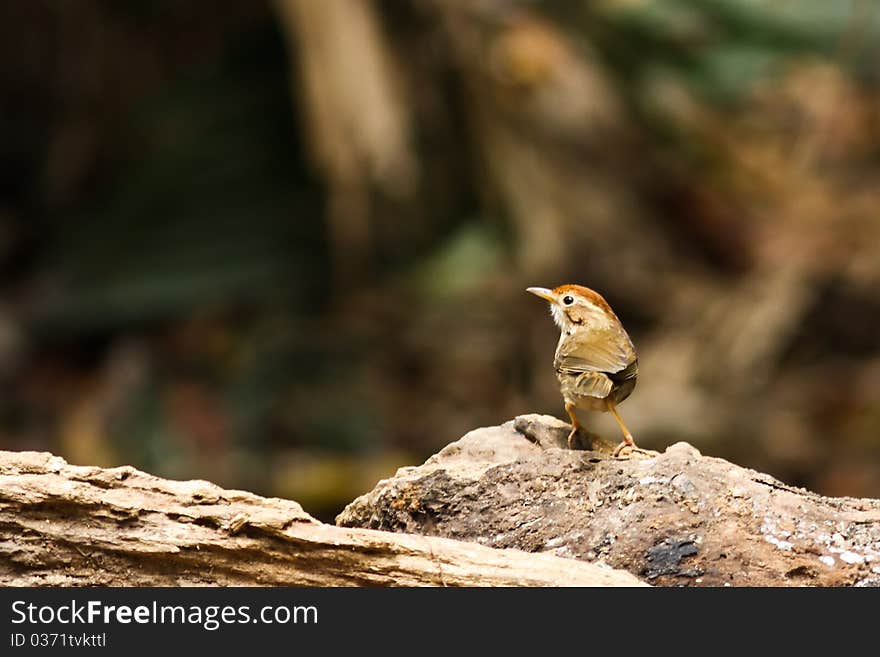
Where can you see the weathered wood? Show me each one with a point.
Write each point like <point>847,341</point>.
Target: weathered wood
<point>71,525</point>
<point>678,519</point>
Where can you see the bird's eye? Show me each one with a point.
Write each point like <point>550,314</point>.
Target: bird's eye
<point>568,300</point>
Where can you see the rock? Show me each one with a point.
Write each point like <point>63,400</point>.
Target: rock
<point>65,525</point>
<point>680,518</point>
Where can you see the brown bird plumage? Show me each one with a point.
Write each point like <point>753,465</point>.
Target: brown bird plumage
<point>596,362</point>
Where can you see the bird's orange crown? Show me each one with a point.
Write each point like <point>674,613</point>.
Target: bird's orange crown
<point>590,295</point>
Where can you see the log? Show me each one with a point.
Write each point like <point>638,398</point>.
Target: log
<point>679,518</point>
<point>72,525</point>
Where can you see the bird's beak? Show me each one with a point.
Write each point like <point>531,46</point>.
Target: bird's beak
<point>543,292</point>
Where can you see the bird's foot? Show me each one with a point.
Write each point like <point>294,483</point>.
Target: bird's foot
<point>628,449</point>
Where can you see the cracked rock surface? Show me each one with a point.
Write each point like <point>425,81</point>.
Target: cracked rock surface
<point>680,518</point>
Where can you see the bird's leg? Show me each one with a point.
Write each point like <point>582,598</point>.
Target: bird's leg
<point>575,425</point>
<point>627,436</point>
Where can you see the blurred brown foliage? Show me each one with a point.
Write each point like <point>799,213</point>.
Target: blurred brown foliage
<point>283,246</point>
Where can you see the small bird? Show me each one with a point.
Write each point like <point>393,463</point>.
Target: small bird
<point>596,362</point>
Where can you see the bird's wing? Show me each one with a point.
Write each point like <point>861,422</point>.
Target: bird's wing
<point>631,371</point>
<point>598,351</point>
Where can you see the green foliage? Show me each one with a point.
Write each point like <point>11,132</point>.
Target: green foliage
<point>461,263</point>
<point>719,48</point>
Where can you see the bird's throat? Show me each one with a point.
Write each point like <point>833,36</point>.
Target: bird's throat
<point>559,317</point>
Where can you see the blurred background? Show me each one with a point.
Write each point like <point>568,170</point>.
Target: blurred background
<point>283,246</point>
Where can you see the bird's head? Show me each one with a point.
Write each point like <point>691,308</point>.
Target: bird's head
<point>575,305</point>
